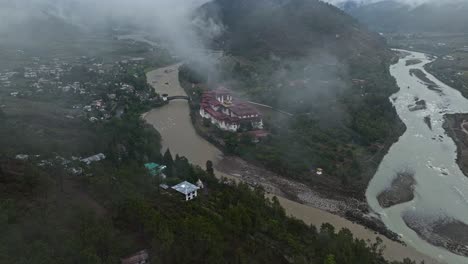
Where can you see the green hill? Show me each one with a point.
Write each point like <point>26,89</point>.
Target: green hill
<point>313,60</point>
<point>119,211</point>
<point>288,28</point>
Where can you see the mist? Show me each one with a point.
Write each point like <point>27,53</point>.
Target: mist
<point>167,20</point>
<point>408,2</point>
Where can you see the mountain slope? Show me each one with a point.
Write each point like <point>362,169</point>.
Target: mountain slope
<point>287,27</point>
<point>394,16</point>
<point>315,61</point>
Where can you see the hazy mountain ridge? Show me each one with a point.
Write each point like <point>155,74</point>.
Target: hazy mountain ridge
<point>396,16</point>
<point>285,27</point>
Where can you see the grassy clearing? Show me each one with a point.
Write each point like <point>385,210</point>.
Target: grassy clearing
<point>43,128</point>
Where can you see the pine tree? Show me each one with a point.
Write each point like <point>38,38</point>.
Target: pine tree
<point>169,162</point>
<point>209,167</point>
<point>330,259</point>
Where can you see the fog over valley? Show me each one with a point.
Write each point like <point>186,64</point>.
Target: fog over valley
<point>412,3</point>
<point>234,131</point>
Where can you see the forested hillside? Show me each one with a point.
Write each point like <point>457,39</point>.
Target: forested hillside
<point>120,211</point>
<point>311,59</point>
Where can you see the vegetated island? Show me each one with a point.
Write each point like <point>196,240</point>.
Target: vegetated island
<point>423,77</point>
<point>419,104</point>
<point>456,127</point>
<point>413,62</point>
<point>401,190</point>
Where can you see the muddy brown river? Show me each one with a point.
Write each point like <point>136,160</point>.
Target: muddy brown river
<point>174,124</point>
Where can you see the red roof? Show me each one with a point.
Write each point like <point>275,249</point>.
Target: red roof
<point>259,133</point>
<point>222,91</point>
<point>239,107</point>
<point>242,108</point>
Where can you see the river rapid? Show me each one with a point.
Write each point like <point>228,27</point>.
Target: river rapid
<point>174,124</point>
<point>441,189</point>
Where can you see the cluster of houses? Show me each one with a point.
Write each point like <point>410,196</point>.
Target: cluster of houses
<point>29,73</point>
<point>40,77</point>
<point>449,57</point>
<point>229,113</point>
<point>44,78</point>
<point>73,164</point>
<point>5,78</point>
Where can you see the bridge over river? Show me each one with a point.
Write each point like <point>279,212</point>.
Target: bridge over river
<point>168,98</point>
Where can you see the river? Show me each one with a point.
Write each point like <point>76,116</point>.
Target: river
<point>174,124</point>
<point>441,187</point>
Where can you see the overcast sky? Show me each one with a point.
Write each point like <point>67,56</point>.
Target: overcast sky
<point>411,2</point>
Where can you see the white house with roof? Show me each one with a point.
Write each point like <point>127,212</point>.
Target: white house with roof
<point>95,158</point>
<point>187,189</point>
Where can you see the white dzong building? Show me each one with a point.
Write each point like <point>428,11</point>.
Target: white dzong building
<point>228,113</point>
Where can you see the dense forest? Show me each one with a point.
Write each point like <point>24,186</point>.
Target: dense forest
<point>114,208</point>
<point>329,72</point>
<point>120,210</point>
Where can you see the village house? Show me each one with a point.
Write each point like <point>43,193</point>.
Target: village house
<point>200,184</point>
<point>141,257</point>
<point>95,158</point>
<point>229,113</point>
<point>187,189</point>
<point>155,169</point>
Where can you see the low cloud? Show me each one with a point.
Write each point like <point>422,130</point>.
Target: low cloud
<point>408,2</point>
<point>170,20</point>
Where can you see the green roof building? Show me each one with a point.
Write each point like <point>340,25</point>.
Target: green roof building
<point>155,169</point>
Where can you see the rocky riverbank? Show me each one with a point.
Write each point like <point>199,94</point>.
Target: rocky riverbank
<point>456,127</point>
<point>352,209</point>
<point>442,232</point>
